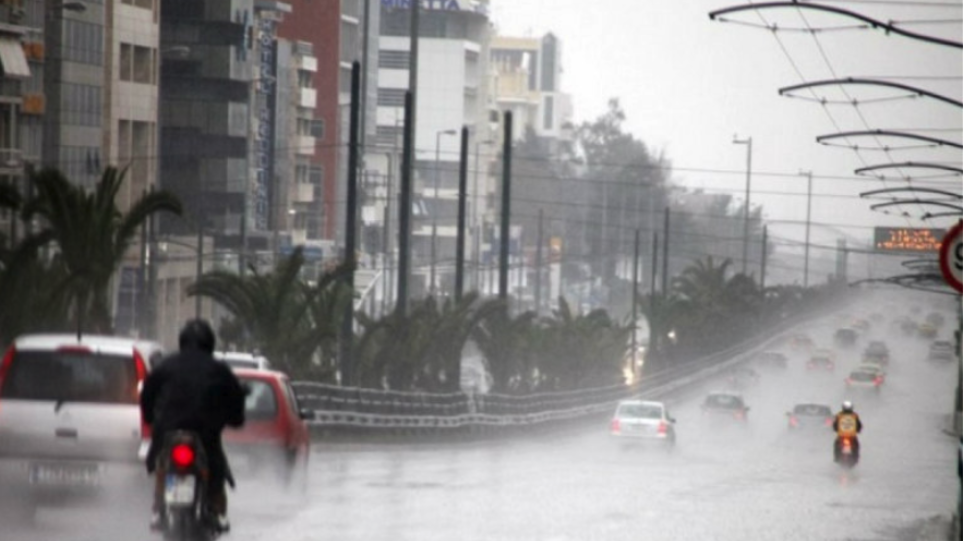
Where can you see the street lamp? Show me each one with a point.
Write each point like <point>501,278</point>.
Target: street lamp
<point>434,210</point>
<point>745,225</point>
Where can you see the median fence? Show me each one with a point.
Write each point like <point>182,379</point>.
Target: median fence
<point>353,410</point>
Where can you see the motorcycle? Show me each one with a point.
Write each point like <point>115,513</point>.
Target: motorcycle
<point>847,454</point>
<point>186,514</point>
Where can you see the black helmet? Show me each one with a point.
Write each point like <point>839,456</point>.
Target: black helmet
<point>197,334</point>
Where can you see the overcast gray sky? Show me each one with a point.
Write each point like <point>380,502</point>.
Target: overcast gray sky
<point>688,84</point>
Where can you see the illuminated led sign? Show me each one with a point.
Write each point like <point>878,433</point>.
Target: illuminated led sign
<point>908,239</point>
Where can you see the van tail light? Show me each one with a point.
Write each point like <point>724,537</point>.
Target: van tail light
<point>663,427</point>
<point>878,381</point>
<point>182,456</point>
<point>140,368</point>
<point>849,381</point>
<point>77,349</point>
<point>7,362</point>
<point>793,422</point>
<point>616,426</point>
<point>740,415</point>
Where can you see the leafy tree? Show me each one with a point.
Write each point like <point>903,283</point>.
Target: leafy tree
<point>91,236</point>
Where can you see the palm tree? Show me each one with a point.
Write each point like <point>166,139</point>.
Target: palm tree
<point>584,350</point>
<point>421,350</point>
<point>91,235</point>
<point>273,312</point>
<point>506,343</point>
<point>716,308</point>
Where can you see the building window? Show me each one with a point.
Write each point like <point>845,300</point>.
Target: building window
<point>389,135</point>
<point>549,121</point>
<point>81,105</point>
<point>305,79</point>
<point>83,42</point>
<point>394,60</point>
<point>146,4</point>
<point>316,175</point>
<point>126,61</point>
<point>317,128</point>
<point>391,97</point>
<point>136,64</point>
<point>81,164</point>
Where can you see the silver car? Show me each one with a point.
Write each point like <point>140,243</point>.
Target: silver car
<point>70,422</point>
<point>639,420</point>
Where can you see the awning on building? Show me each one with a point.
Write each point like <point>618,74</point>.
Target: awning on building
<point>12,58</point>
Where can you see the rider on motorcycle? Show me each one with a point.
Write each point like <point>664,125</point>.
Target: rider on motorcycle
<point>847,425</point>
<point>192,391</point>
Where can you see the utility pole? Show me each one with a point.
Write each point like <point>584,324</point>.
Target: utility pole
<point>655,262</point>
<point>462,201</point>
<point>404,212</point>
<point>538,265</point>
<point>809,210</point>
<point>386,237</point>
<point>635,301</point>
<point>351,225</point>
<point>506,208</point>
<point>665,255</point>
<point>199,270</point>
<point>745,225</point>
<point>762,275</point>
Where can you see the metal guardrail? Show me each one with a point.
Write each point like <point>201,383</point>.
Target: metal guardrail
<point>337,407</point>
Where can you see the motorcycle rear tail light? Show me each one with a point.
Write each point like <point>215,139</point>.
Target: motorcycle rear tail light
<point>182,455</point>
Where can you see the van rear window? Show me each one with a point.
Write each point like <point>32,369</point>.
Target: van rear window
<point>71,377</point>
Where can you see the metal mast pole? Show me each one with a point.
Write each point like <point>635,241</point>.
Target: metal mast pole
<point>506,208</point>
<point>462,201</point>
<point>404,212</point>
<point>351,225</point>
<point>809,210</point>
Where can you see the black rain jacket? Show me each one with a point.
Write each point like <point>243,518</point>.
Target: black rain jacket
<point>190,390</point>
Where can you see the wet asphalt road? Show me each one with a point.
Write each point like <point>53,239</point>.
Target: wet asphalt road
<point>720,483</point>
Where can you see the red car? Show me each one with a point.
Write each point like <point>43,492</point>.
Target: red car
<point>274,438</point>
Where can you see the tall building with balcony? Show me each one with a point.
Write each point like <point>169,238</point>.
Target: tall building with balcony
<point>526,78</point>
<point>454,40</point>
<point>17,79</point>
<point>335,31</point>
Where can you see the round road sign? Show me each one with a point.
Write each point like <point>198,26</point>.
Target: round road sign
<point>951,257</point>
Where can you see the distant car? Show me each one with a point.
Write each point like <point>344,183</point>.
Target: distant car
<point>907,326</point>
<point>860,379</point>
<point>845,337</point>
<point>927,330</point>
<point>935,319</point>
<point>824,352</point>
<point>877,351</point>
<point>772,359</point>
<point>238,359</point>
<point>639,420</point>
<point>725,405</point>
<point>274,437</point>
<point>742,376</point>
<point>941,350</point>
<point>820,363</point>
<point>70,423</point>
<point>801,342</point>
<point>873,368</point>
<point>861,325</point>
<point>808,415</point>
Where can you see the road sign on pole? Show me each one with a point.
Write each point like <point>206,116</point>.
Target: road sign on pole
<point>951,257</point>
